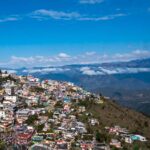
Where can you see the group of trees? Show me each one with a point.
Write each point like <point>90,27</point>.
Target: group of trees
<point>31,119</point>
<point>101,136</point>
<point>37,89</point>
<point>9,77</point>
<point>2,145</point>
<point>39,128</point>
<point>2,72</point>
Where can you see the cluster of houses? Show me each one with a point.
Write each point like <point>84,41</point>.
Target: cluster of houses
<point>41,115</point>
<point>124,135</point>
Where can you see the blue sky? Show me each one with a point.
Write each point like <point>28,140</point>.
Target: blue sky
<point>73,31</point>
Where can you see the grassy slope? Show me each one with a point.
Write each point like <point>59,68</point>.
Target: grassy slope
<point>111,113</point>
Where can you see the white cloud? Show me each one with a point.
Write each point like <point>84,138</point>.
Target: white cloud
<point>103,18</point>
<point>124,70</point>
<point>10,71</point>
<point>91,1</point>
<point>46,70</point>
<point>43,14</point>
<point>55,14</point>
<point>137,54</point>
<point>9,19</point>
<point>65,59</point>
<point>110,70</point>
<point>90,53</point>
<point>39,60</point>
<point>15,59</point>
<point>90,72</point>
<point>63,55</point>
<point>84,68</point>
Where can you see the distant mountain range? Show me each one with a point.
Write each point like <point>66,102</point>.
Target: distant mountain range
<point>126,82</point>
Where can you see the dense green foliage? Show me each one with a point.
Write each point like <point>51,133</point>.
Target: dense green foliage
<point>39,128</point>
<point>2,145</point>
<point>37,89</point>
<point>4,79</point>
<point>31,119</point>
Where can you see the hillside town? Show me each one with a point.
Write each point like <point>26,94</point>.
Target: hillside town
<point>53,115</point>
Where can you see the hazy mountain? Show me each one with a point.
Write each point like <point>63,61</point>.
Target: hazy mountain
<point>126,82</point>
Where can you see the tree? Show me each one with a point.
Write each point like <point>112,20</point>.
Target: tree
<point>146,124</point>
<point>37,89</point>
<point>32,119</point>
<point>114,148</point>
<point>2,145</point>
<point>124,148</point>
<point>50,114</point>
<point>101,136</point>
<point>136,147</point>
<point>59,104</point>
<point>98,136</point>
<point>39,128</point>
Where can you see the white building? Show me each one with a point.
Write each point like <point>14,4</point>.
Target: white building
<point>13,99</point>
